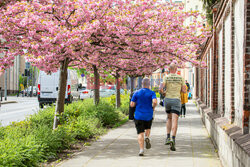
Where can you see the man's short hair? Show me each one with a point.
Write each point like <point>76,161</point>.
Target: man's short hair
<point>146,82</point>
<point>173,66</point>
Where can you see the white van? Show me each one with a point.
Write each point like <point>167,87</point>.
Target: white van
<point>48,87</point>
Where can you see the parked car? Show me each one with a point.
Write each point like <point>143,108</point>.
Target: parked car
<point>28,91</point>
<point>34,91</point>
<point>85,93</point>
<point>25,92</point>
<point>48,87</point>
<point>104,92</point>
<point>113,89</point>
<point>109,90</point>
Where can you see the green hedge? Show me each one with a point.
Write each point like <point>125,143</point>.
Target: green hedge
<point>32,141</point>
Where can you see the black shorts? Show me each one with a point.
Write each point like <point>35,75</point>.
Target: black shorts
<point>142,125</point>
<point>173,111</point>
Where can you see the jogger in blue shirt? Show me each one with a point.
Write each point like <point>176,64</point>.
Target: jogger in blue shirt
<point>145,102</point>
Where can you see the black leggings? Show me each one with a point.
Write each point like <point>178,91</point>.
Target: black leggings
<point>183,109</point>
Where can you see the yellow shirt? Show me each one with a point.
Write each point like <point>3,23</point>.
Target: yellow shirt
<point>184,97</point>
<point>173,84</point>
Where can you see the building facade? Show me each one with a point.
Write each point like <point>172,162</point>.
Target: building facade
<point>223,88</point>
<point>192,5</point>
<point>13,75</point>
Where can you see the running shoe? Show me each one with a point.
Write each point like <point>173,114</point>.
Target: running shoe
<point>168,141</point>
<point>148,145</point>
<point>172,146</point>
<point>141,152</point>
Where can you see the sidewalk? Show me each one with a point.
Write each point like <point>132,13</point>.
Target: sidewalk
<point>119,148</point>
<point>15,99</point>
<point>10,99</point>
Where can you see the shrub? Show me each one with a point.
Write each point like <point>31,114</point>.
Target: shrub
<point>43,117</point>
<point>125,104</point>
<point>1,133</point>
<point>19,150</point>
<point>112,100</point>
<point>52,141</point>
<point>107,114</point>
<point>85,127</point>
<point>32,141</point>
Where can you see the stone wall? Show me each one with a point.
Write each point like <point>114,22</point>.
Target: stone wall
<point>232,145</point>
<point>225,103</point>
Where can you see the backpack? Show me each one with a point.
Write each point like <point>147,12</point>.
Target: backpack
<point>131,109</point>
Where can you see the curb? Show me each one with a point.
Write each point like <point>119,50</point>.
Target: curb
<point>7,102</point>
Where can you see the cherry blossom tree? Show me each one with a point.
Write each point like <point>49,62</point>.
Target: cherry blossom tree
<point>132,37</point>
<point>55,34</point>
<point>152,32</point>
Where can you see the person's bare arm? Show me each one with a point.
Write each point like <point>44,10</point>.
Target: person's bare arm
<point>162,88</point>
<point>154,103</point>
<point>132,104</point>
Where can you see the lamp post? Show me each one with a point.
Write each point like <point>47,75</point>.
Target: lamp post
<point>32,79</point>
<point>23,85</point>
<point>17,75</point>
<point>1,95</point>
<point>5,85</point>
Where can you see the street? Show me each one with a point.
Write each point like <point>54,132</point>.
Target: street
<point>18,111</point>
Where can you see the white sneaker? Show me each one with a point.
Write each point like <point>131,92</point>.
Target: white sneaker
<point>141,153</point>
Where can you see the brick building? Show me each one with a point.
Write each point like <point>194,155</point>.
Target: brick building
<point>223,88</point>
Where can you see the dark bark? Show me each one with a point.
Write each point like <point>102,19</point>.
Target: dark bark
<point>4,3</point>
<point>61,91</point>
<point>132,84</point>
<point>139,82</point>
<point>96,85</point>
<point>118,93</point>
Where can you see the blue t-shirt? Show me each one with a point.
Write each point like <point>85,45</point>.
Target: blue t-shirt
<point>143,99</point>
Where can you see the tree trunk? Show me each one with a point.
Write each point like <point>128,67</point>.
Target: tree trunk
<point>61,91</point>
<point>96,86</point>
<point>139,82</point>
<point>132,84</point>
<point>5,86</point>
<point>118,93</point>
<point>151,82</point>
<point>32,81</point>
